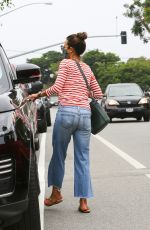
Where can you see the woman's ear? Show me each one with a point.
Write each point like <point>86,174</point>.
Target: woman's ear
<point>71,50</point>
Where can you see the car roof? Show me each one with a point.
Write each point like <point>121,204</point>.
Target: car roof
<point>120,84</point>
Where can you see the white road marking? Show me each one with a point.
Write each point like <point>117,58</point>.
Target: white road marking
<point>121,153</point>
<point>41,171</point>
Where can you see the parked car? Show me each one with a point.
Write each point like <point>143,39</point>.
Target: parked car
<point>125,100</point>
<point>19,184</point>
<point>43,107</point>
<point>47,110</point>
<point>53,100</point>
<point>43,114</point>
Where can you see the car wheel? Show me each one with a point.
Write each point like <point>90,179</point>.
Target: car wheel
<point>139,118</point>
<point>110,119</point>
<point>36,143</point>
<point>42,126</point>
<point>48,118</point>
<point>146,117</point>
<point>31,217</point>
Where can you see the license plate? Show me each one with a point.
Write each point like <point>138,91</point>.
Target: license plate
<point>129,110</point>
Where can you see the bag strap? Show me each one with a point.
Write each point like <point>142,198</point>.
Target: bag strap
<point>85,79</point>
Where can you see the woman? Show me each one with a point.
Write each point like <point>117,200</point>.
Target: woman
<point>73,118</point>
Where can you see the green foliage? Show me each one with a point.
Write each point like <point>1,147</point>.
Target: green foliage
<point>107,68</point>
<point>135,70</point>
<point>108,75</point>
<point>140,11</point>
<point>5,3</point>
<point>96,58</point>
<point>139,70</point>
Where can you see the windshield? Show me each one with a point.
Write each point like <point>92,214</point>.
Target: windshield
<point>4,84</point>
<point>125,90</point>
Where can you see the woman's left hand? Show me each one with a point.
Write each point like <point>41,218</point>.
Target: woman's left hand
<point>32,97</point>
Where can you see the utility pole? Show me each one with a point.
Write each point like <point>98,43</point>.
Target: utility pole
<point>61,43</point>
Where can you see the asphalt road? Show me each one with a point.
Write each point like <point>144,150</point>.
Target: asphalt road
<point>120,169</point>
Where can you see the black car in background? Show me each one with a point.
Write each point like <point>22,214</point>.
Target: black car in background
<point>42,105</point>
<point>43,114</point>
<point>47,110</point>
<point>126,100</point>
<point>19,184</point>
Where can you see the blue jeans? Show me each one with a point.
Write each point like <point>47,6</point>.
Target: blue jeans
<point>72,121</point>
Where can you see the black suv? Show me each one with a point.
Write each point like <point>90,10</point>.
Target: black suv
<point>126,100</point>
<point>19,184</point>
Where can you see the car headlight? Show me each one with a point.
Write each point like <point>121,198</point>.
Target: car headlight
<point>112,102</point>
<point>144,100</point>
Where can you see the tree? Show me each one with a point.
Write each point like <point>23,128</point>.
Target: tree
<point>134,70</point>
<point>95,58</point>
<point>107,68</point>
<point>108,75</point>
<point>5,3</point>
<point>139,71</point>
<point>140,11</point>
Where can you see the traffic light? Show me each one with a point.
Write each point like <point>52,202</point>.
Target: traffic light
<point>123,37</point>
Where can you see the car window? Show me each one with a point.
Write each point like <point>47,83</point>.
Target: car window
<point>125,90</point>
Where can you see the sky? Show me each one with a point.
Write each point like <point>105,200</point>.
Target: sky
<point>39,25</point>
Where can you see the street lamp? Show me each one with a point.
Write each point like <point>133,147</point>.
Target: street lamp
<point>34,3</point>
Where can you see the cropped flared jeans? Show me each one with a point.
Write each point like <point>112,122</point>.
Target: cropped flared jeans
<point>72,121</point>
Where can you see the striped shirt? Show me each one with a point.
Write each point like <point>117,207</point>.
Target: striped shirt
<point>70,85</point>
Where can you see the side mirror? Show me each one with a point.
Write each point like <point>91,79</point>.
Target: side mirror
<point>147,94</point>
<point>27,73</point>
<point>34,87</point>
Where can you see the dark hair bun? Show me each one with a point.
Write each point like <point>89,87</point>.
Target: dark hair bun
<point>82,36</point>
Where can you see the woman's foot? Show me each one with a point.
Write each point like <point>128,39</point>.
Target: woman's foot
<point>55,197</point>
<point>83,206</point>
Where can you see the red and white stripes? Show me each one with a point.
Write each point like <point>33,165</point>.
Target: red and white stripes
<point>70,85</point>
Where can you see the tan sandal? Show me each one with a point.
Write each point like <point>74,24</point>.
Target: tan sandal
<point>50,201</point>
<point>87,210</point>
<point>83,206</point>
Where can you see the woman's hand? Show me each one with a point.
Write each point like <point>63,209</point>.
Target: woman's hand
<point>32,97</point>
<point>35,96</point>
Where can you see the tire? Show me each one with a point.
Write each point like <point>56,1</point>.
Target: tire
<point>42,126</point>
<point>110,119</point>
<point>36,143</point>
<point>146,117</point>
<point>139,118</point>
<point>48,117</point>
<point>31,218</point>
<point>42,123</point>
